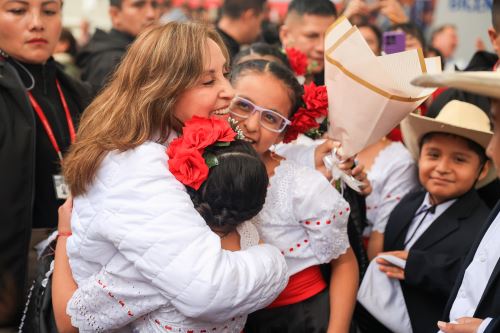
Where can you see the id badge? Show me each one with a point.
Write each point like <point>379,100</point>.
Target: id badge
<point>62,190</point>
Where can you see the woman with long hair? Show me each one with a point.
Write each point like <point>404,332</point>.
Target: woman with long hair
<point>132,221</point>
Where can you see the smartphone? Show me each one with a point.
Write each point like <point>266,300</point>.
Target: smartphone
<point>393,42</point>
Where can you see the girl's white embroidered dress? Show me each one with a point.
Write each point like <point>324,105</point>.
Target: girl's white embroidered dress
<point>304,216</point>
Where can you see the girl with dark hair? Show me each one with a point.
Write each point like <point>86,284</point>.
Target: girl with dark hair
<point>304,216</point>
<point>227,183</point>
<point>261,51</point>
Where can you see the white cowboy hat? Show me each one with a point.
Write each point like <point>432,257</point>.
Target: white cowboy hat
<point>459,118</point>
<point>482,83</point>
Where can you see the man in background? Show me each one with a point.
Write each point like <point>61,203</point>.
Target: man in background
<point>101,55</point>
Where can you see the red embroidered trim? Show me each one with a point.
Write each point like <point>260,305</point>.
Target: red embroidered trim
<point>121,302</point>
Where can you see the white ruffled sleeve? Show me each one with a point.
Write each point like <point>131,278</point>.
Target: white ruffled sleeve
<point>106,301</point>
<point>149,218</point>
<point>323,213</point>
<point>300,152</point>
<point>398,182</point>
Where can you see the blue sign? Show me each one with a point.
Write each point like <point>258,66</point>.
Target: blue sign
<point>470,6</point>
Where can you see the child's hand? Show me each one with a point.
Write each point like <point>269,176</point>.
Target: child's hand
<point>463,325</point>
<point>320,152</point>
<point>359,173</point>
<point>64,223</point>
<point>391,270</point>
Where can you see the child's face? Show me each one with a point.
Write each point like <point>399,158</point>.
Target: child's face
<point>213,92</point>
<point>266,91</point>
<point>448,168</point>
<point>493,150</point>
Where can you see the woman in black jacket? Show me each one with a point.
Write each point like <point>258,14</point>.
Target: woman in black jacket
<point>39,108</point>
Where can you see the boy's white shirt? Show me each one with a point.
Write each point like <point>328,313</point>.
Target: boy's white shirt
<point>138,222</point>
<point>477,275</point>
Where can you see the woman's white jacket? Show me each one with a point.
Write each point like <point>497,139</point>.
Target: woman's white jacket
<point>138,226</point>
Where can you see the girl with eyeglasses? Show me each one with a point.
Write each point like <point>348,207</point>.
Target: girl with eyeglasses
<point>304,216</point>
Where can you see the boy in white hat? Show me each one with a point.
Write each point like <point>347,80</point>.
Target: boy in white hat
<point>433,229</point>
<point>474,304</point>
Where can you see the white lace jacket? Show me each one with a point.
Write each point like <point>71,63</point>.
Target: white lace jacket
<point>137,228</point>
<point>304,216</point>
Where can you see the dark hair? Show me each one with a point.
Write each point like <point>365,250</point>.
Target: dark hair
<point>280,72</point>
<point>376,30</point>
<point>495,15</point>
<point>67,36</point>
<point>474,146</point>
<point>262,49</point>
<point>410,29</point>
<point>236,188</point>
<point>235,8</point>
<point>312,7</point>
<point>115,3</point>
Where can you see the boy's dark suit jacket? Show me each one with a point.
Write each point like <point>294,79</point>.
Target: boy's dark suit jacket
<point>489,305</point>
<point>435,259</point>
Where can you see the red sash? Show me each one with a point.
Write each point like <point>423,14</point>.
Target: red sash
<point>301,286</point>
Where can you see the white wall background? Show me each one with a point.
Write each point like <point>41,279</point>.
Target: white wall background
<point>95,11</point>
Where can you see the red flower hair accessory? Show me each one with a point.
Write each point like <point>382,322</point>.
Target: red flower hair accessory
<point>307,119</point>
<point>188,160</point>
<point>298,61</point>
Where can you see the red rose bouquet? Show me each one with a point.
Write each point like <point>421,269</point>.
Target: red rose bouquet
<point>310,119</point>
<point>188,159</point>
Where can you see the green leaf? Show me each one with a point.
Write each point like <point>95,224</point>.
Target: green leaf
<point>211,160</point>
<point>222,144</point>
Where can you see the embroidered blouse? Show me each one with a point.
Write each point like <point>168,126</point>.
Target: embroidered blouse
<point>304,216</point>
<point>392,176</point>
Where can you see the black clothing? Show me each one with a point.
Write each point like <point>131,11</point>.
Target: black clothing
<point>436,257</point>
<point>489,305</point>
<point>310,315</point>
<point>319,78</point>
<point>46,159</point>
<point>99,58</point>
<point>481,61</point>
<point>27,163</point>
<point>232,45</point>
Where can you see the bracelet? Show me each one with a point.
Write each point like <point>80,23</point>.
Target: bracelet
<point>64,234</point>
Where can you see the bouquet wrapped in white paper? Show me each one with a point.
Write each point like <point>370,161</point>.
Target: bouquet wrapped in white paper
<point>369,95</point>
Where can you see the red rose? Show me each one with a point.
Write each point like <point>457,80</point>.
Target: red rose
<point>201,132</point>
<point>316,100</point>
<point>290,135</point>
<point>303,121</point>
<point>188,166</point>
<point>174,146</point>
<point>297,60</point>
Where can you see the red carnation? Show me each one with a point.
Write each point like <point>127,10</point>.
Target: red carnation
<point>297,60</point>
<point>188,166</point>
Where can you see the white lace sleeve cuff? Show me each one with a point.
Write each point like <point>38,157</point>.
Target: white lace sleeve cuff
<point>104,302</point>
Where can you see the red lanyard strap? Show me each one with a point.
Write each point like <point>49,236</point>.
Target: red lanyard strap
<point>45,122</point>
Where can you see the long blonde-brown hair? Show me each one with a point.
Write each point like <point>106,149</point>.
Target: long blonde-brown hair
<point>138,103</point>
